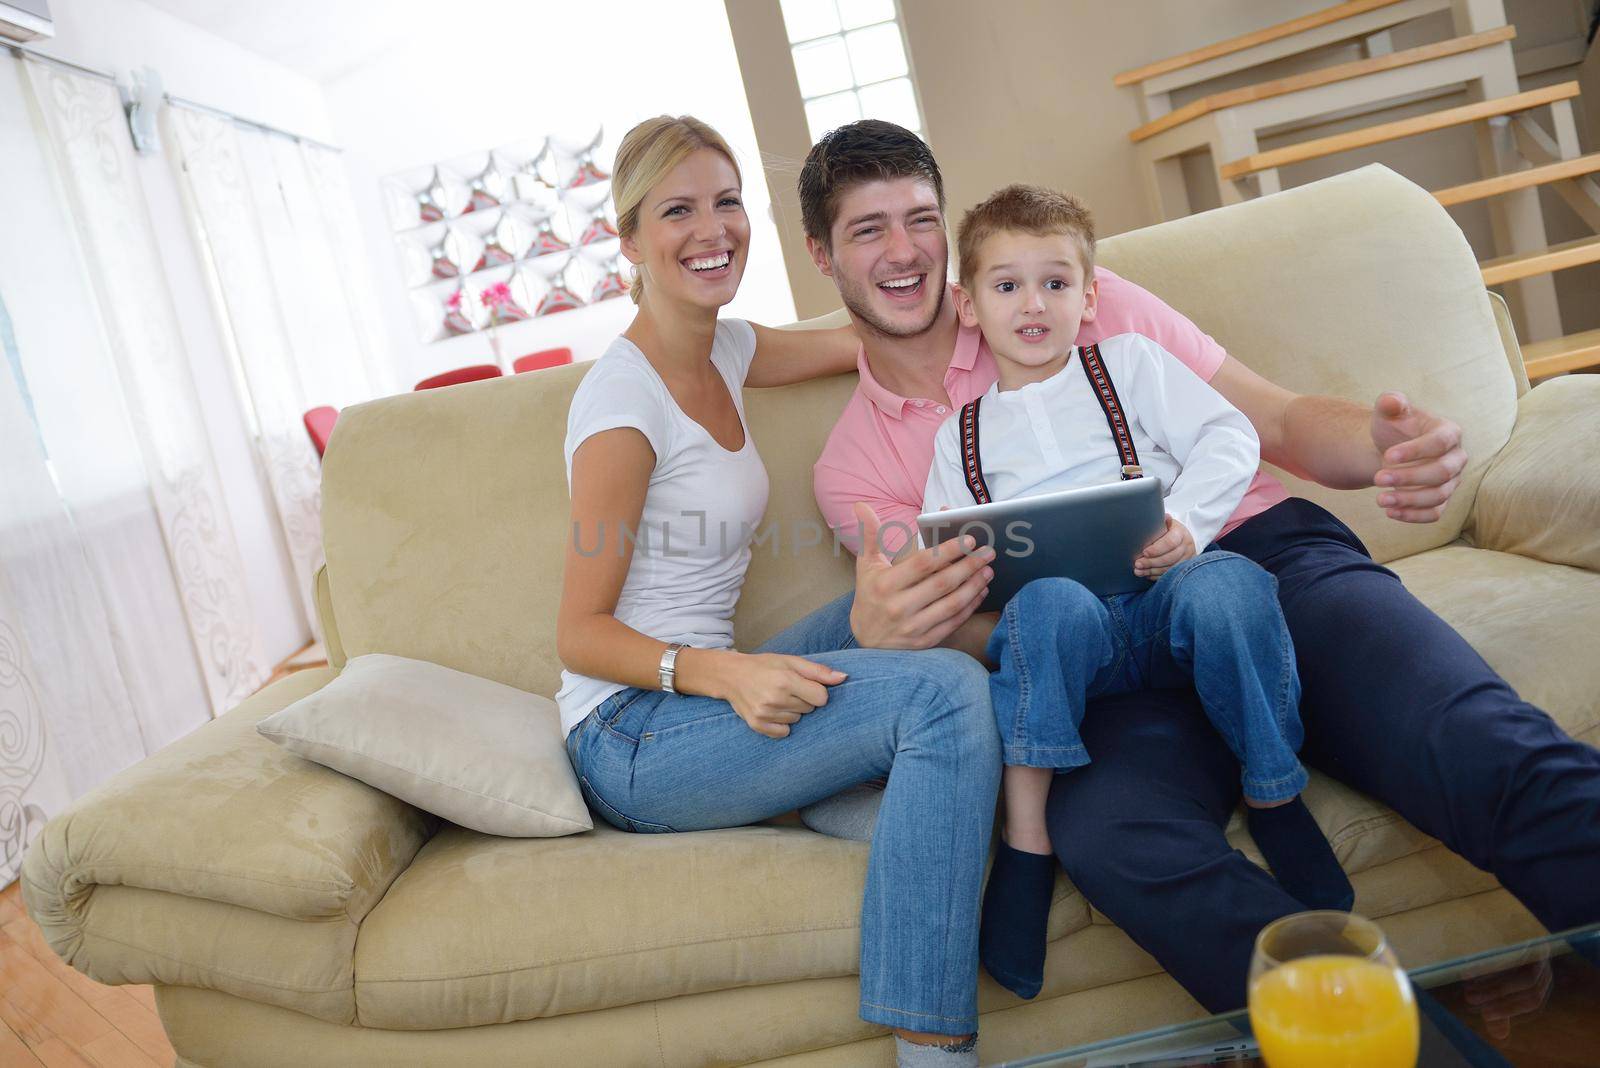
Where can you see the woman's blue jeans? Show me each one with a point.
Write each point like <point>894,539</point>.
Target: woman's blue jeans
<point>1213,619</point>
<point>655,762</point>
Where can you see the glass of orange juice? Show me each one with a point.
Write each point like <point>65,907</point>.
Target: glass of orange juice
<point>1327,992</point>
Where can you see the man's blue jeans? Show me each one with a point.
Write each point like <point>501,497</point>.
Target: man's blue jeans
<point>1396,704</point>
<point>650,761</point>
<point>1212,620</point>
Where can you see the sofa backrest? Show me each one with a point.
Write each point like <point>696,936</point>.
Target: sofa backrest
<point>445,512</point>
<point>1349,286</point>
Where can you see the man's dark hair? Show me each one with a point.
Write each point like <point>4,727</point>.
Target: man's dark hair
<point>868,150</point>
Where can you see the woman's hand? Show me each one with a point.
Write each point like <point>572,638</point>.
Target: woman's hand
<point>1173,547</point>
<point>771,691</point>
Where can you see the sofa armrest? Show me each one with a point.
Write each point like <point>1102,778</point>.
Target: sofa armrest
<point>224,815</point>
<point>1540,496</point>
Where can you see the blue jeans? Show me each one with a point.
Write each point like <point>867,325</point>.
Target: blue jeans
<point>1212,620</point>
<point>1396,704</point>
<point>656,762</point>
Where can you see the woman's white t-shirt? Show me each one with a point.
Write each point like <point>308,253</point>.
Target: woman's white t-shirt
<point>701,510</point>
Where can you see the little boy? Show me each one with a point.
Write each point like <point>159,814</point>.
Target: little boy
<point>1061,417</point>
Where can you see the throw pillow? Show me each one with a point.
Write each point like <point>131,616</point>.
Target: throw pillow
<point>478,753</point>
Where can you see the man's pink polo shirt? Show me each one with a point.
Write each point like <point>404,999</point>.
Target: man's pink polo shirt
<point>881,448</point>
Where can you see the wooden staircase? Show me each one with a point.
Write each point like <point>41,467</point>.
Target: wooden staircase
<point>1570,353</point>
<point>1394,131</point>
<point>1326,76</point>
<point>1517,155</point>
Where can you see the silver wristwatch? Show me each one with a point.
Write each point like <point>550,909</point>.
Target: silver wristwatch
<point>667,673</point>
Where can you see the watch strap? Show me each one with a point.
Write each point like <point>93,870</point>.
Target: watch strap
<point>667,672</point>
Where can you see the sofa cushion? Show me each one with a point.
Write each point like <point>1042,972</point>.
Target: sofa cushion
<point>1535,500</point>
<point>1533,622</point>
<point>487,930</point>
<point>1093,989</point>
<point>131,935</point>
<point>474,751</point>
<point>224,815</point>
<point>396,516</point>
<point>223,861</point>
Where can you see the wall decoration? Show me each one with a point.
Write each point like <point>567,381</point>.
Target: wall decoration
<point>514,232</point>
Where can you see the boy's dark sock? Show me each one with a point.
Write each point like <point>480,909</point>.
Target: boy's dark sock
<point>1016,906</point>
<point>1300,857</point>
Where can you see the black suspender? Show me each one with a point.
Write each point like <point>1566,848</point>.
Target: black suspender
<point>971,465</point>
<point>1104,391</point>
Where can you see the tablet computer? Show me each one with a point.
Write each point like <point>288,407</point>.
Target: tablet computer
<point>1092,534</point>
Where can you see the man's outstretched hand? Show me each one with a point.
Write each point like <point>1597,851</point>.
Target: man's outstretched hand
<point>917,601</point>
<point>1422,459</point>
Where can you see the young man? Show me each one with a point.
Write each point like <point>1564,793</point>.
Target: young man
<point>1408,713</point>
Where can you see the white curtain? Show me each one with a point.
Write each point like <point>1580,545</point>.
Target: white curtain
<point>273,218</point>
<point>329,189</point>
<point>33,784</point>
<point>124,614</point>
<point>81,120</point>
<point>98,666</point>
<point>76,458</point>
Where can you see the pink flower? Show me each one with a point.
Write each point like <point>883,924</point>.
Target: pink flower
<point>496,296</point>
<point>454,301</point>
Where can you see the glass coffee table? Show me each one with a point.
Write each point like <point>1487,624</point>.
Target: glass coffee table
<point>1534,1004</point>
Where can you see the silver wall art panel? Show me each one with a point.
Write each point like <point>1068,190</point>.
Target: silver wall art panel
<point>534,216</point>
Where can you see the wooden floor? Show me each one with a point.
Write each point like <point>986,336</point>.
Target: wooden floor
<point>52,1015</point>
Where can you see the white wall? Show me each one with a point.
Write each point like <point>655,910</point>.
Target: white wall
<point>120,36</point>
<point>524,70</point>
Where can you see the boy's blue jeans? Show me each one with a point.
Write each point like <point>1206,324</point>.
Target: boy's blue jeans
<point>1213,619</point>
<point>657,762</point>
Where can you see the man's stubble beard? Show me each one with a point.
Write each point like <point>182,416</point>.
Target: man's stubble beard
<point>858,303</point>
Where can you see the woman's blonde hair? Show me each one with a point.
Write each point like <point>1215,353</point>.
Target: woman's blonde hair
<point>647,153</point>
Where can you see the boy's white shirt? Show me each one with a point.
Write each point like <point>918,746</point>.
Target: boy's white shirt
<point>1052,435</point>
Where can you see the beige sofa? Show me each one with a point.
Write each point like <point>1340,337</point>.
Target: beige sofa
<point>290,915</point>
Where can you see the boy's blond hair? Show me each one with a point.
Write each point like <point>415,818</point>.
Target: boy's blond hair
<point>1029,209</point>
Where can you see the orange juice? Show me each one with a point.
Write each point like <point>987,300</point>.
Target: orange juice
<point>1334,1012</point>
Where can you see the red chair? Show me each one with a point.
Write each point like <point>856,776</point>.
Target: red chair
<point>319,424</point>
<point>460,375</point>
<point>540,360</point>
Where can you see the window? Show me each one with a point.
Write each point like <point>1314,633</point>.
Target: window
<point>850,61</point>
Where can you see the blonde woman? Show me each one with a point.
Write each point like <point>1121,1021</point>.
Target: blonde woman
<point>670,728</point>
